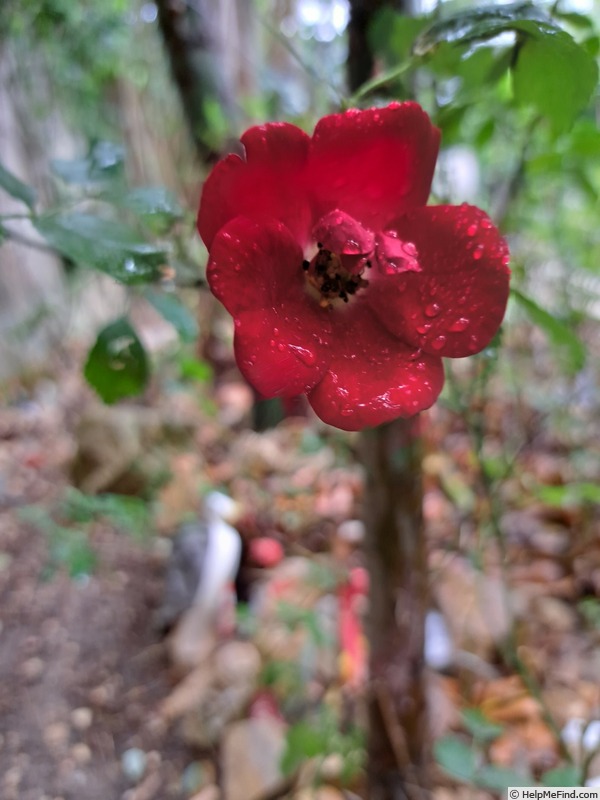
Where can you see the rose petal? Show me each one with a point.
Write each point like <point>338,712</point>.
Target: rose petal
<point>283,351</point>
<point>253,265</point>
<point>340,233</point>
<point>374,164</point>
<point>453,307</point>
<point>373,377</point>
<point>269,183</point>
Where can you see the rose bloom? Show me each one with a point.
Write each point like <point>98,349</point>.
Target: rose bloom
<point>342,283</point>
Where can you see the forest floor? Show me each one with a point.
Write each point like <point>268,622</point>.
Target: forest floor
<point>87,679</point>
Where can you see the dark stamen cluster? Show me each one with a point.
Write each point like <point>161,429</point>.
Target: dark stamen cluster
<point>330,277</point>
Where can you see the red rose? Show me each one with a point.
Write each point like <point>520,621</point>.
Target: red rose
<point>343,285</point>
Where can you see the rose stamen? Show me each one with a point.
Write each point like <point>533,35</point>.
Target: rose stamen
<point>332,281</point>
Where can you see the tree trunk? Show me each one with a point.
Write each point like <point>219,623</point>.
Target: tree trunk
<point>360,56</point>
<point>202,68</point>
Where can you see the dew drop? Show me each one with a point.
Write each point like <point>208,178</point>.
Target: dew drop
<point>478,253</point>
<point>303,354</point>
<point>473,344</point>
<point>423,328</point>
<point>237,267</point>
<point>506,260</point>
<point>432,310</point>
<point>486,223</point>
<point>462,300</point>
<point>438,342</point>
<point>275,331</point>
<point>272,342</point>
<point>281,347</point>
<point>472,229</point>
<point>345,411</point>
<point>236,323</point>
<point>461,324</point>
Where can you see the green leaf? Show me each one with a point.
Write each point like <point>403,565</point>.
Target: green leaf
<point>552,72</point>
<point>572,494</point>
<point>456,757</point>
<point>193,369</point>
<point>155,204</point>
<point>173,310</point>
<point>554,75</point>
<point>479,726</point>
<point>499,778</point>
<point>568,775</point>
<point>558,332</point>
<point>392,35</point>
<point>574,19</point>
<point>303,741</point>
<point>103,163</point>
<point>480,24</point>
<point>16,188</point>
<point>102,244</point>
<point>117,365</point>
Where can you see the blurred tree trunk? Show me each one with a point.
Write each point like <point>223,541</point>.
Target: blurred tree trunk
<point>32,283</point>
<point>361,59</point>
<point>398,741</point>
<point>204,41</point>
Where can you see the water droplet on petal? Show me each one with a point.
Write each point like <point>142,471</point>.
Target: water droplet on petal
<point>438,342</point>
<point>461,324</point>
<point>303,354</point>
<point>345,411</point>
<point>473,344</point>
<point>275,331</point>
<point>237,267</point>
<point>486,223</point>
<point>478,253</point>
<point>423,328</point>
<point>236,323</point>
<point>281,347</point>
<point>396,256</point>
<point>472,229</point>
<point>432,310</point>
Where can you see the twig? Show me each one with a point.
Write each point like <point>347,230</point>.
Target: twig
<point>24,240</point>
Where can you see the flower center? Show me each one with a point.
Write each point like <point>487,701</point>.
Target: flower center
<point>330,280</point>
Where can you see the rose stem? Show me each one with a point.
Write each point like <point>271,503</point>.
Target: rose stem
<point>398,742</point>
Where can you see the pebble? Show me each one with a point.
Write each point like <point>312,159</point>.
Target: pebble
<point>237,662</point>
<point>32,668</point>
<point>133,764</point>
<point>251,752</point>
<point>198,775</point>
<point>211,792</point>
<point>56,735</point>
<point>81,718</point>
<point>81,753</point>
